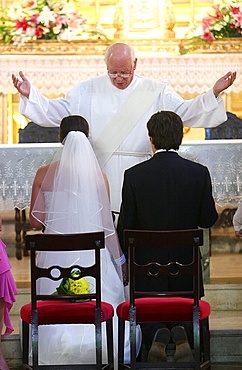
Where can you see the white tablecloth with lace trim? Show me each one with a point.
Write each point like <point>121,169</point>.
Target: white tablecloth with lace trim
<point>18,166</point>
<point>19,163</point>
<point>224,161</point>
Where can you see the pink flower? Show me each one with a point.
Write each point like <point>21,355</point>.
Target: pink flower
<point>238,18</point>
<point>34,18</point>
<point>39,32</point>
<point>208,36</point>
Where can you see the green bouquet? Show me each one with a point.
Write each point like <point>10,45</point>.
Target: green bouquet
<point>71,287</point>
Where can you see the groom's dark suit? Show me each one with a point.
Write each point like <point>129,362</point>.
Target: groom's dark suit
<point>166,192</point>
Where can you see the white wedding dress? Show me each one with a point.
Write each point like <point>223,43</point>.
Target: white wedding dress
<point>60,344</point>
<point>77,202</point>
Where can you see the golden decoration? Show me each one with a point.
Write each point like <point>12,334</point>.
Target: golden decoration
<point>225,45</point>
<point>52,47</point>
<point>88,47</point>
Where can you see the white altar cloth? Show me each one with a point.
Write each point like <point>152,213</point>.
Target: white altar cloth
<point>19,163</point>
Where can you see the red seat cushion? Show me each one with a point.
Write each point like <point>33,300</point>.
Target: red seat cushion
<point>163,309</point>
<point>62,312</point>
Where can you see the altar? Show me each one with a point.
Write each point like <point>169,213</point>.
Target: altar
<point>19,163</point>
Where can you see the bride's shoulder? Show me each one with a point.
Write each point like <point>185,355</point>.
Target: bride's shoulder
<point>47,168</point>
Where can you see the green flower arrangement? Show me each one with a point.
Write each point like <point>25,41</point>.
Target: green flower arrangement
<point>70,286</point>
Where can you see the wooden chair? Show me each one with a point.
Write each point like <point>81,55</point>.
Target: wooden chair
<point>164,306</point>
<point>58,309</point>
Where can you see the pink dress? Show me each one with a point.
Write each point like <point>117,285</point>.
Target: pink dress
<point>7,287</point>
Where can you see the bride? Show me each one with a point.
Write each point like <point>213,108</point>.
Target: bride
<point>71,195</point>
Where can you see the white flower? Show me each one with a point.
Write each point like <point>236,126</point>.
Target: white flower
<point>46,16</point>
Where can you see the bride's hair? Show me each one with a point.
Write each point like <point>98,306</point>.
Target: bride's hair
<point>73,123</point>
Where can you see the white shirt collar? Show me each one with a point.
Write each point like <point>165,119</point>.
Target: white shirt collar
<point>164,150</point>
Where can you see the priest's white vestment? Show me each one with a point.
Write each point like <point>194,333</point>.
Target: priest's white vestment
<point>99,101</point>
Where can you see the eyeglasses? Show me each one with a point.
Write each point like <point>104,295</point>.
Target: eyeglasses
<point>123,75</point>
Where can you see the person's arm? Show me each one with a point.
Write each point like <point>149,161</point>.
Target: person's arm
<point>106,184</point>
<point>119,257</point>
<point>22,84</point>
<point>207,214</point>
<point>127,216</point>
<point>37,196</point>
<point>206,110</point>
<point>223,83</point>
<point>36,107</point>
<point>237,222</point>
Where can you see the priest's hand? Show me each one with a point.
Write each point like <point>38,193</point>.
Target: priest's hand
<point>224,82</point>
<point>23,85</point>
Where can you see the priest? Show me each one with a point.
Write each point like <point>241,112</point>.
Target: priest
<point>117,106</point>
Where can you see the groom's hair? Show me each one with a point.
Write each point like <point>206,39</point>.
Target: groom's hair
<point>166,130</point>
<point>73,123</point>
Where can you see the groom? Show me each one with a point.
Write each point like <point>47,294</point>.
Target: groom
<point>166,192</point>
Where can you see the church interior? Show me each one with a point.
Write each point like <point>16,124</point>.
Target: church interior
<point>158,31</point>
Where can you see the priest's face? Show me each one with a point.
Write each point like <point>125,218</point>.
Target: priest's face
<point>121,70</point>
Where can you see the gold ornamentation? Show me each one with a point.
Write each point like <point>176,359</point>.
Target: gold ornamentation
<point>51,47</point>
<point>225,45</point>
<point>87,47</point>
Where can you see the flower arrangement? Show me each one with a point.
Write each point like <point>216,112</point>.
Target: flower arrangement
<point>71,287</point>
<point>224,21</point>
<point>42,19</point>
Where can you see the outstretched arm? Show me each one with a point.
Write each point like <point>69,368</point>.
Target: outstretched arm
<point>224,82</point>
<point>22,85</point>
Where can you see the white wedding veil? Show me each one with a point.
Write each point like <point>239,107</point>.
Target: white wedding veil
<point>73,197</point>
<point>70,196</point>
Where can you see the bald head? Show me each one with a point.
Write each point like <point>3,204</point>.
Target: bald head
<point>120,60</point>
<point>119,50</point>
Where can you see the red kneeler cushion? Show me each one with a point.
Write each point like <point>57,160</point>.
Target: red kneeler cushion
<point>61,312</point>
<point>163,309</point>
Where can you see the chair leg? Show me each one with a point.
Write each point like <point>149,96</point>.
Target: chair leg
<point>34,337</point>
<point>109,331</point>
<point>206,339</point>
<point>25,336</point>
<point>132,337</point>
<point>196,334</point>
<point>121,333</point>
